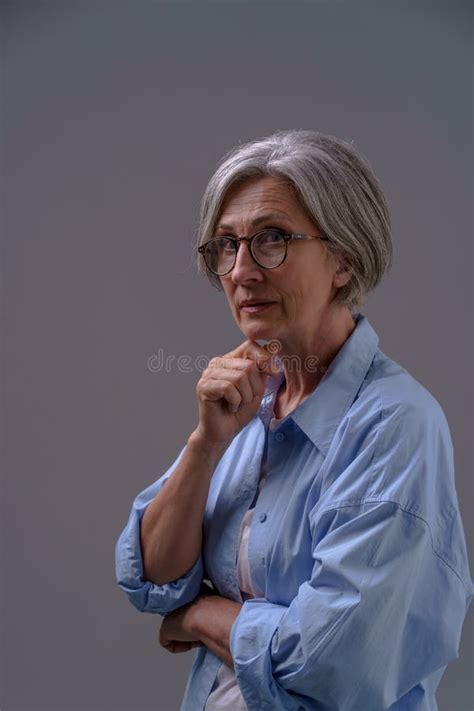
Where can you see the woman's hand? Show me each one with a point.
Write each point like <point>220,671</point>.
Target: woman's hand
<point>178,630</point>
<point>230,391</point>
<point>176,635</point>
<point>205,621</point>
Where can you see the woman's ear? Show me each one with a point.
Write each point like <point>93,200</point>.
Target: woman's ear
<point>343,272</point>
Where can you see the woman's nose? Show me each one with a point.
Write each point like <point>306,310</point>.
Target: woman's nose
<point>245,266</point>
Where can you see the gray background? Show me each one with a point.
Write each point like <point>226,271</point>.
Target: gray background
<point>115,114</point>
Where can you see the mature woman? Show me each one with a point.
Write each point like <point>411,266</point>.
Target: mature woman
<point>316,492</point>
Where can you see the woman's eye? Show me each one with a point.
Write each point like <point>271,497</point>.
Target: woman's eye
<point>271,237</point>
<point>223,244</point>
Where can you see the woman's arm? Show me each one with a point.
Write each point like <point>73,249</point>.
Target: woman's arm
<point>212,620</point>
<point>171,529</point>
<point>178,507</point>
<point>207,619</point>
<point>145,595</point>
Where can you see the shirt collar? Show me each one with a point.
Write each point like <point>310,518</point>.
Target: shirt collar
<point>321,412</point>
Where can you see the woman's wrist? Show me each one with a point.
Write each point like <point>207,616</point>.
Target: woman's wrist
<point>201,445</point>
<point>211,614</point>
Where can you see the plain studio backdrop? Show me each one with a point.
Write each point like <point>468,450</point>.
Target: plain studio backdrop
<point>114,117</point>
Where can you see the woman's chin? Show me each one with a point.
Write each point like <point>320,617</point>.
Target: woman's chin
<point>255,331</point>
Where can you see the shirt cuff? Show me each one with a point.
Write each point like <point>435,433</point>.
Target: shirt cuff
<point>143,594</point>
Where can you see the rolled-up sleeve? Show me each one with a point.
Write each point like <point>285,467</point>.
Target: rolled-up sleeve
<point>143,594</point>
<point>380,612</point>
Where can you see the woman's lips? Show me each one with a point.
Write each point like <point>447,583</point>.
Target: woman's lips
<point>255,308</point>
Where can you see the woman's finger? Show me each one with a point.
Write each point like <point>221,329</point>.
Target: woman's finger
<point>252,350</point>
<point>255,371</point>
<point>176,647</point>
<point>241,379</point>
<point>214,390</point>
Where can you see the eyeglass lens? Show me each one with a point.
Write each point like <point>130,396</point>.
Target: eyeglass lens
<point>268,248</point>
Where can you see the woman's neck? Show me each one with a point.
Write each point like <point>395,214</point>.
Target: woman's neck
<point>305,369</point>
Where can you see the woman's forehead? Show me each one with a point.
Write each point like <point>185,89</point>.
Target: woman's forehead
<point>261,199</point>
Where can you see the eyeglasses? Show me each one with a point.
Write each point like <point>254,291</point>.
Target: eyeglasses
<point>268,249</point>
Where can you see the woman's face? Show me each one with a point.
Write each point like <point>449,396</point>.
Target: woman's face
<point>301,288</point>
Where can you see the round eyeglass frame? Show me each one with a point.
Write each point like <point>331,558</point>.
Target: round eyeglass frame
<point>287,236</point>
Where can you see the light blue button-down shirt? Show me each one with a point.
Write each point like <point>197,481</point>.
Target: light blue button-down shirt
<point>356,539</point>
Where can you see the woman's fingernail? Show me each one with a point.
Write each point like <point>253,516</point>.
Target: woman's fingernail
<point>276,363</point>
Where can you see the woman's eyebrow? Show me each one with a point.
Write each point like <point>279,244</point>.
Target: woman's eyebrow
<point>260,220</point>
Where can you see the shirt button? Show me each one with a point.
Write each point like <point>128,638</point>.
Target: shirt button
<point>262,517</point>
<point>279,437</point>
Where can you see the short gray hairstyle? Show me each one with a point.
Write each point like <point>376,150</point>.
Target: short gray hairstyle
<point>335,186</point>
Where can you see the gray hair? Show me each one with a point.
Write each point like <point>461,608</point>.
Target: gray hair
<point>334,184</point>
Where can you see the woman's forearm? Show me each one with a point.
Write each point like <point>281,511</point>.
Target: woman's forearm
<point>171,527</point>
<point>212,620</point>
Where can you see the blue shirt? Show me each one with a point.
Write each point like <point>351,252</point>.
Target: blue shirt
<point>356,539</point>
